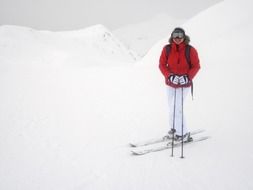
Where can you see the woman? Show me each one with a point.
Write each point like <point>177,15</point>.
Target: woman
<point>179,63</point>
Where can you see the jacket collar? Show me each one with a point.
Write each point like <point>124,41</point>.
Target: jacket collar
<point>179,46</point>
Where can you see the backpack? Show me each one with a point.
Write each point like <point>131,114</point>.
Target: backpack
<point>187,53</point>
<point>187,56</point>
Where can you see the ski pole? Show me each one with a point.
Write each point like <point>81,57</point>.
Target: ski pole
<point>182,143</point>
<point>173,129</point>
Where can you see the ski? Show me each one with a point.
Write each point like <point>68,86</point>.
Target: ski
<point>167,146</point>
<point>158,140</point>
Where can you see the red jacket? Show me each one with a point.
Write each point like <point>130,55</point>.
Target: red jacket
<point>177,64</point>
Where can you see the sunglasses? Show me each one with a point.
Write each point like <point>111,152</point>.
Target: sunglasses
<point>177,35</point>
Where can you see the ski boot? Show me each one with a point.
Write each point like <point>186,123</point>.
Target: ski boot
<point>170,134</point>
<point>186,138</point>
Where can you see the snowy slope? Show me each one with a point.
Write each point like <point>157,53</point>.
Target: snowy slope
<point>70,47</point>
<point>142,36</point>
<point>223,103</point>
<point>67,127</point>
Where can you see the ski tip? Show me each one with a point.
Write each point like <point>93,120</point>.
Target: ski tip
<point>132,145</point>
<point>136,153</point>
<point>133,152</point>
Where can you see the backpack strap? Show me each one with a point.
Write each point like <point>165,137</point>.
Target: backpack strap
<point>168,47</point>
<point>188,55</point>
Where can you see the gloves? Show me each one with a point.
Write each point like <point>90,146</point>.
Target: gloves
<point>183,80</point>
<point>179,80</point>
<point>174,79</point>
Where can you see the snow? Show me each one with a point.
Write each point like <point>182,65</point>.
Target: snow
<point>92,44</point>
<point>141,37</point>
<point>66,116</point>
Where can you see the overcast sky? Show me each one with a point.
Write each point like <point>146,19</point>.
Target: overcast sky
<point>76,14</point>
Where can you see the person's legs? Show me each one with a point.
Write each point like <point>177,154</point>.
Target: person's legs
<point>177,117</point>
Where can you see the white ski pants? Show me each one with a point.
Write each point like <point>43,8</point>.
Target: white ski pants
<point>175,109</point>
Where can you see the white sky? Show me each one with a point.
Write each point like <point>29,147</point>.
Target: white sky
<point>75,14</point>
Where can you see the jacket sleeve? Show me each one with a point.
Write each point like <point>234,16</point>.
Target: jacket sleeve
<point>194,63</point>
<point>163,63</point>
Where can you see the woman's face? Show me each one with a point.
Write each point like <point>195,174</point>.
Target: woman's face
<point>178,40</point>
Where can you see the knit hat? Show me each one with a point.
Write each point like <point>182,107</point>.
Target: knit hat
<point>178,30</point>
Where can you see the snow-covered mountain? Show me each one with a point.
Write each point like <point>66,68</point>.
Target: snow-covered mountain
<point>69,47</point>
<point>67,127</point>
<point>142,36</point>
